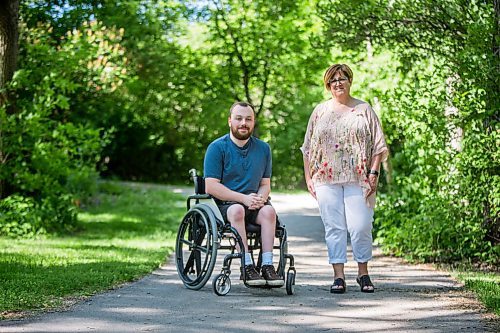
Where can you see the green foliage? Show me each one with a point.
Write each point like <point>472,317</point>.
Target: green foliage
<point>265,57</point>
<point>412,29</point>
<point>186,64</point>
<point>143,90</point>
<point>19,217</point>
<point>441,122</point>
<point>51,161</point>
<point>436,209</point>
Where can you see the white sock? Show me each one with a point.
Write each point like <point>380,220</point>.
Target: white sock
<point>248,259</point>
<point>267,258</point>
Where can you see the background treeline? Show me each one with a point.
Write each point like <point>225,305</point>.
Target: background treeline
<point>136,90</point>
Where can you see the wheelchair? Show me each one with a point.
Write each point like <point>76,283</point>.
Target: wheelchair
<point>203,231</point>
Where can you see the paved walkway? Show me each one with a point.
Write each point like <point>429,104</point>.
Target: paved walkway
<point>407,298</point>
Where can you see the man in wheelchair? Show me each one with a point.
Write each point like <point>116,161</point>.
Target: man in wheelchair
<point>237,171</point>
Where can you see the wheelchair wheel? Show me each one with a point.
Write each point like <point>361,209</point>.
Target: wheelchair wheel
<point>290,282</point>
<point>221,284</point>
<point>282,262</point>
<point>196,247</point>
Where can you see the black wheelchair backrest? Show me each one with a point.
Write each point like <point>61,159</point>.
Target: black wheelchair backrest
<point>199,182</point>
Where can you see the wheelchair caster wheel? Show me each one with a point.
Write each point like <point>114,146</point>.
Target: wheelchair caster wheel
<point>290,282</point>
<point>221,284</point>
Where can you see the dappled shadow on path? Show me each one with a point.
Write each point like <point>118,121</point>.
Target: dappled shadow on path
<point>407,299</point>
<point>160,303</point>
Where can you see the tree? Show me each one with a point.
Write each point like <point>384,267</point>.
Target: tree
<point>264,50</point>
<point>260,52</point>
<point>9,14</point>
<point>447,194</point>
<point>52,156</point>
<point>145,116</point>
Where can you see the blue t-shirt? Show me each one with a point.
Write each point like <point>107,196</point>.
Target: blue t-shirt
<point>239,168</point>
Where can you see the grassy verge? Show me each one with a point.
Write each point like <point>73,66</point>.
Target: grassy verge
<point>485,285</point>
<point>125,234</point>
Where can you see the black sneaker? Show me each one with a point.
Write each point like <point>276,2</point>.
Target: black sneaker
<point>253,278</point>
<point>269,274</point>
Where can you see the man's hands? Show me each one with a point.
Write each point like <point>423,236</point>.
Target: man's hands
<point>254,201</point>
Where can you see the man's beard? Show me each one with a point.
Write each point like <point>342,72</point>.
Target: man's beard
<point>240,136</point>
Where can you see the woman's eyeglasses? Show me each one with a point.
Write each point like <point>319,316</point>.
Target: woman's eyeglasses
<point>340,80</point>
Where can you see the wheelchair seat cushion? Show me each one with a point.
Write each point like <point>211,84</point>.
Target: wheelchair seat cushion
<point>252,228</point>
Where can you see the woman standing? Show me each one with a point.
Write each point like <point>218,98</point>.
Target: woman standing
<point>343,148</point>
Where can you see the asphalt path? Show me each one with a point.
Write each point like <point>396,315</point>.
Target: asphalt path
<point>408,298</point>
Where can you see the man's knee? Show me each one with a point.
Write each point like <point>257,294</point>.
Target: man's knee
<point>236,213</point>
<point>267,214</point>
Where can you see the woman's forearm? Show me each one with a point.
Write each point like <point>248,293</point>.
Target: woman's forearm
<point>375,164</point>
<point>307,171</point>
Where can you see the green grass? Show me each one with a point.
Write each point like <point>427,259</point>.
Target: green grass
<point>125,234</point>
<point>485,285</point>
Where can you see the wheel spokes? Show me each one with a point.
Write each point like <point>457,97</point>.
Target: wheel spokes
<point>196,247</point>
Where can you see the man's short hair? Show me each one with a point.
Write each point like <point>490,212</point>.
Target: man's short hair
<point>244,104</point>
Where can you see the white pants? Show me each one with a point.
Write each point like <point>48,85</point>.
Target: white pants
<point>343,208</point>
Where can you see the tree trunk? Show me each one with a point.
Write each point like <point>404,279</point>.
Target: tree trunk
<point>9,33</point>
<point>9,14</point>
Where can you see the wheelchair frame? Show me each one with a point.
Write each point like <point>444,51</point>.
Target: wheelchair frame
<point>201,234</point>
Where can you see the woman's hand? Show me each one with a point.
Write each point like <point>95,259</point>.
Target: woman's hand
<point>310,188</point>
<point>372,181</point>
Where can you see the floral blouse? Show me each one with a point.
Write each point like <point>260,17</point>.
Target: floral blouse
<point>339,145</point>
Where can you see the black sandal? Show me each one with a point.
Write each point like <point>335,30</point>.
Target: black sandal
<point>338,286</point>
<point>364,282</point>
